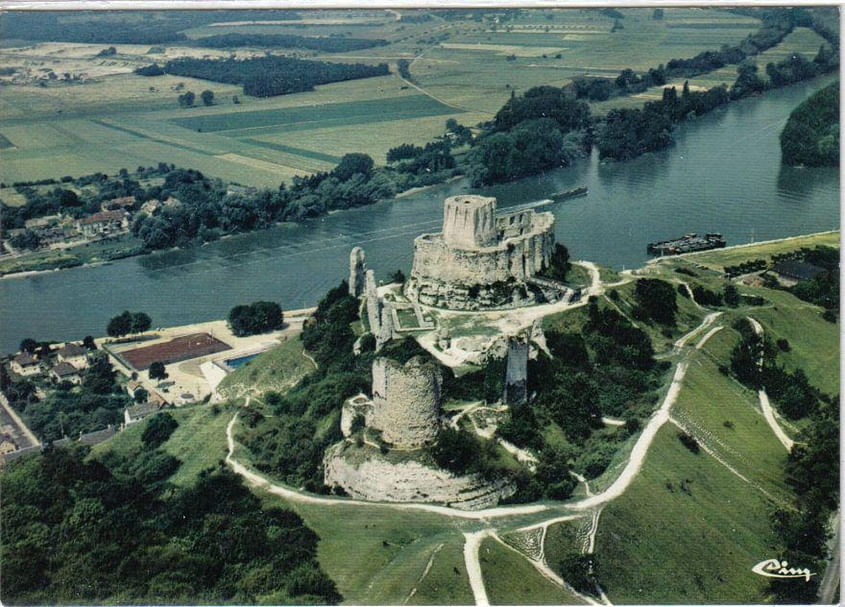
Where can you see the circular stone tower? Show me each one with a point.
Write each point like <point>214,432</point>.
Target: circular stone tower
<point>406,401</point>
<point>469,222</point>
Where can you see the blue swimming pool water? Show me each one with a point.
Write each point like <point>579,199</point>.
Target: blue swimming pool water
<point>239,362</point>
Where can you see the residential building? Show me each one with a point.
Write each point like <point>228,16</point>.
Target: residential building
<point>136,413</point>
<point>24,364</point>
<point>124,203</point>
<point>74,354</point>
<point>104,222</point>
<point>66,372</point>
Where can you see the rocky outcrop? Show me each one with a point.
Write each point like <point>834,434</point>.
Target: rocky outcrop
<point>377,479</point>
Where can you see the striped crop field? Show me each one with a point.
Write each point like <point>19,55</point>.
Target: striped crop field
<point>247,124</point>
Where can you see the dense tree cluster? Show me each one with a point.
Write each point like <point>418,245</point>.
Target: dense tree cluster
<point>325,44</point>
<point>270,75</point>
<point>812,470</point>
<point>542,129</point>
<point>206,211</point>
<point>79,530</point>
<point>257,317</point>
<point>128,322</point>
<point>655,300</point>
<point>811,135</point>
<point>288,444</point>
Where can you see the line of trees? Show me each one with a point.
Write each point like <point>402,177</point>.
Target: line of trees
<point>267,76</point>
<point>326,44</point>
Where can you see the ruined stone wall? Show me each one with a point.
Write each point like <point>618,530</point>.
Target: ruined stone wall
<point>357,267</point>
<point>469,221</point>
<point>518,257</point>
<point>371,292</point>
<point>516,374</point>
<point>406,401</point>
<point>376,479</point>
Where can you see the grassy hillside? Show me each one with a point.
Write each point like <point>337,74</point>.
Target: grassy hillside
<point>277,369</point>
<point>687,529</point>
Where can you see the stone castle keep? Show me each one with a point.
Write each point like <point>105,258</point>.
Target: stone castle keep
<point>481,260</point>
<point>405,409</point>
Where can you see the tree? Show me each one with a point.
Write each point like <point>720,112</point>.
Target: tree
<point>731,295</point>
<point>559,264</point>
<point>140,395</point>
<point>140,322</point>
<point>120,325</point>
<point>398,276</point>
<point>128,322</point>
<point>352,164</point>
<point>29,345</point>
<point>158,430</point>
<point>207,97</point>
<point>88,342</point>
<point>157,370</point>
<point>187,99</point>
<point>258,317</point>
<point>657,299</point>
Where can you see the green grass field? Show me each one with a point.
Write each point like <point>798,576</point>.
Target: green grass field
<point>199,442</point>
<point>659,544</point>
<point>463,65</point>
<point>377,555</point>
<point>719,258</point>
<point>510,579</point>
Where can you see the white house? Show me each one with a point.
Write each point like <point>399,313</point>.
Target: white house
<point>26,365</point>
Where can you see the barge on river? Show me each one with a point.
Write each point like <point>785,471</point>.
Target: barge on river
<point>689,243</point>
<point>567,194</point>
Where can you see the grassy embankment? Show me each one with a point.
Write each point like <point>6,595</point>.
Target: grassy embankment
<point>277,369</point>
<point>689,528</point>
<point>51,259</point>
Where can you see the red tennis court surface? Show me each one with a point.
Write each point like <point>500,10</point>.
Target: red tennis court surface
<point>174,351</point>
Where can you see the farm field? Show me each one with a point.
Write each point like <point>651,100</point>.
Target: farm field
<point>577,43</point>
<point>465,69</point>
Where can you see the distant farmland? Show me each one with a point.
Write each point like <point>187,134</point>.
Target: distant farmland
<point>317,116</point>
<point>465,70</point>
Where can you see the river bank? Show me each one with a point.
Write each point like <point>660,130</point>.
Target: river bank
<point>628,204</point>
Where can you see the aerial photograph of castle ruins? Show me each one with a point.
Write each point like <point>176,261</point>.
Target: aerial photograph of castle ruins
<point>459,304</point>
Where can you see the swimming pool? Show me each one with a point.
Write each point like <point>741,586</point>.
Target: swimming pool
<point>237,363</point>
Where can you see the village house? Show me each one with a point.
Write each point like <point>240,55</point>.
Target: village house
<point>66,372</point>
<point>136,413</point>
<point>24,364</point>
<point>151,206</point>
<point>105,222</point>
<point>790,273</point>
<point>74,354</point>
<point>126,203</point>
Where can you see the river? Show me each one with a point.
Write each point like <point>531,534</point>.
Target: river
<point>723,175</point>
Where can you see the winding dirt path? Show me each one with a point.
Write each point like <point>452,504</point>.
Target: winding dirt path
<point>765,405</point>
<point>473,565</point>
<point>473,539</point>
